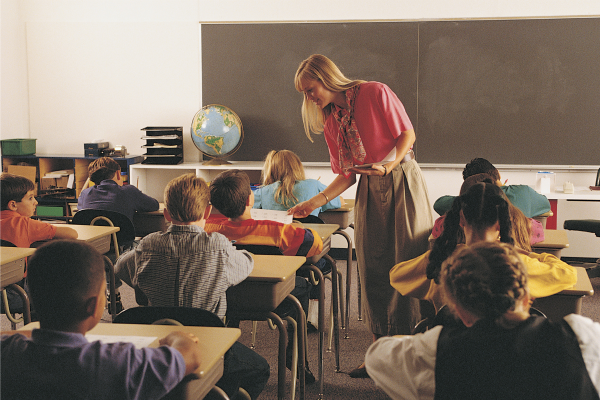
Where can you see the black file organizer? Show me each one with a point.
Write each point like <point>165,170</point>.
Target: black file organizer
<point>164,145</point>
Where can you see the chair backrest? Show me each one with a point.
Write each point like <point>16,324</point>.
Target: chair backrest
<point>187,316</point>
<point>6,243</point>
<point>583,225</point>
<point>259,249</point>
<point>126,234</point>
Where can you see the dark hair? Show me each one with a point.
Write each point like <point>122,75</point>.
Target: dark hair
<point>13,187</point>
<point>486,279</point>
<point>103,168</point>
<point>62,275</point>
<point>483,205</point>
<point>229,192</point>
<point>480,166</point>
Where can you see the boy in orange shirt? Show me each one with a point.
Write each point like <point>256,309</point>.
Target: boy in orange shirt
<point>18,206</point>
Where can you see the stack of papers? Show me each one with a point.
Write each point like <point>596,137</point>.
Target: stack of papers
<point>273,215</point>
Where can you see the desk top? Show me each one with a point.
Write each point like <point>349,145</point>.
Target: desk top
<point>271,268</point>
<point>347,207</point>
<point>88,232</point>
<point>553,239</point>
<point>583,287</point>
<point>323,230</point>
<point>214,342</point>
<point>581,193</point>
<point>10,254</point>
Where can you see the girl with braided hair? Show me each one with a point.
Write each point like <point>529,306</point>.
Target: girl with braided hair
<point>501,352</point>
<point>482,214</point>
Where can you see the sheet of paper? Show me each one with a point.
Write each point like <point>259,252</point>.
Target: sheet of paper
<point>138,341</point>
<point>273,215</point>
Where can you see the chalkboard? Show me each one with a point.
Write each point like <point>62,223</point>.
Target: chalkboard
<point>522,91</point>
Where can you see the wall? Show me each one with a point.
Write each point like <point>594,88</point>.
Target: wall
<point>47,109</point>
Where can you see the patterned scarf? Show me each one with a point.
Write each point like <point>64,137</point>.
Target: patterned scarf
<point>350,145</point>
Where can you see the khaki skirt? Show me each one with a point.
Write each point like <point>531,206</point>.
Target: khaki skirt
<point>393,221</point>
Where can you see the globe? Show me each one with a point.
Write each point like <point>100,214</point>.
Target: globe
<point>217,132</point>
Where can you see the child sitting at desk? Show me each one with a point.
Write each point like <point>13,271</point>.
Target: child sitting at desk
<point>18,228</point>
<point>525,231</point>
<point>483,214</point>
<point>231,194</point>
<point>188,267</point>
<point>284,184</point>
<point>504,353</point>
<point>521,196</point>
<point>110,194</point>
<point>57,362</point>
<point>18,206</point>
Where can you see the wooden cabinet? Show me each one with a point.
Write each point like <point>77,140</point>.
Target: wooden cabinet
<point>45,163</point>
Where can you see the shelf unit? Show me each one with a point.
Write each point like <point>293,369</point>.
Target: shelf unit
<point>164,145</point>
<point>44,163</point>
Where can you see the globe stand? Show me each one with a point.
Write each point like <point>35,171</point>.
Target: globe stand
<point>216,161</point>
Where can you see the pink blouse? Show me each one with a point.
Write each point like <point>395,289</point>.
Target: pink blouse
<point>380,118</point>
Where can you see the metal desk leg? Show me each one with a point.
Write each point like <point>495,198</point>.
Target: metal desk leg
<point>282,345</point>
<point>108,266</point>
<point>319,277</point>
<point>335,302</point>
<point>301,329</point>
<point>26,306</point>
<point>346,318</point>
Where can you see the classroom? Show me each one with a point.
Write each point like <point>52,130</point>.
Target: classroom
<point>81,71</point>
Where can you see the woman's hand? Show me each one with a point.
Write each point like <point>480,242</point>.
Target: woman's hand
<point>377,170</point>
<point>301,210</point>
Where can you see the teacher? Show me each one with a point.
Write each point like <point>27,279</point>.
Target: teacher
<point>364,123</point>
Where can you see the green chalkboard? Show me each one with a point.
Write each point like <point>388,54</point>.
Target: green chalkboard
<point>520,91</point>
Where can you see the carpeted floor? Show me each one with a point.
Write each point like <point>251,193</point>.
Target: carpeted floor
<point>352,350</point>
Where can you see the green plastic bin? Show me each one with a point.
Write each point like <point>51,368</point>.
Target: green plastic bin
<point>18,147</point>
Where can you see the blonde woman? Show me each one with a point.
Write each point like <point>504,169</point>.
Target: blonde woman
<point>365,123</point>
<point>284,184</point>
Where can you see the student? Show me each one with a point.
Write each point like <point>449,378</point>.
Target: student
<point>483,214</point>
<point>188,267</point>
<point>504,353</point>
<point>230,193</point>
<point>521,196</point>
<point>525,231</point>
<point>110,194</point>
<point>57,362</point>
<point>284,184</point>
<point>18,206</point>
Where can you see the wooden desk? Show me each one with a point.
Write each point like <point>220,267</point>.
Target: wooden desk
<point>344,217</point>
<point>553,243</point>
<point>271,280</point>
<point>568,301</point>
<point>13,261</point>
<point>149,222</point>
<point>214,342</point>
<point>97,236</point>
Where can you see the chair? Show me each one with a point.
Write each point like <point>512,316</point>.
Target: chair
<point>186,316</point>
<point>125,236</point>
<point>586,225</point>
<point>20,291</point>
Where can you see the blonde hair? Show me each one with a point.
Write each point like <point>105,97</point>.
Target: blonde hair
<point>486,279</point>
<point>285,167</point>
<point>319,68</point>
<point>186,198</point>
